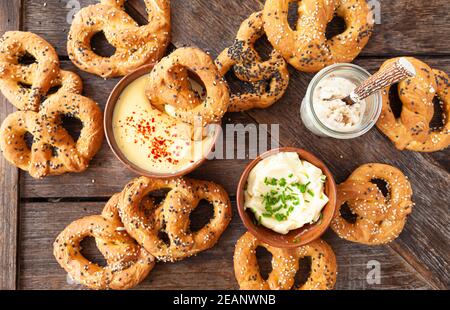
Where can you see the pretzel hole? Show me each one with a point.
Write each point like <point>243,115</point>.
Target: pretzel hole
<point>293,15</point>
<point>51,91</point>
<point>335,27</point>
<point>163,236</point>
<point>439,119</point>
<point>382,185</point>
<point>23,85</point>
<point>73,126</point>
<point>304,271</point>
<point>394,101</point>
<point>201,215</point>
<point>158,196</point>
<point>27,59</point>
<point>347,214</point>
<point>134,13</point>
<point>237,86</point>
<point>263,47</point>
<point>90,251</point>
<point>28,138</point>
<point>264,259</point>
<point>197,85</point>
<point>101,46</point>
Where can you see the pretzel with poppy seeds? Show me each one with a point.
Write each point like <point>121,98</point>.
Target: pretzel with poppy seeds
<point>378,219</point>
<point>412,130</point>
<point>53,150</point>
<point>25,85</point>
<point>169,89</point>
<point>268,79</point>
<point>134,45</point>
<point>307,48</point>
<point>172,216</point>
<point>127,262</point>
<point>285,265</point>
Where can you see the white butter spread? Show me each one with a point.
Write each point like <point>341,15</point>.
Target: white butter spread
<point>285,193</point>
<point>331,110</point>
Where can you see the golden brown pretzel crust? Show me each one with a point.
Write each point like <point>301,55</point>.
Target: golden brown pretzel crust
<point>412,130</point>
<point>134,45</point>
<point>249,67</point>
<point>285,265</point>
<point>307,48</point>
<point>172,216</point>
<point>127,262</point>
<point>168,87</point>
<point>379,219</point>
<point>40,76</point>
<point>53,151</point>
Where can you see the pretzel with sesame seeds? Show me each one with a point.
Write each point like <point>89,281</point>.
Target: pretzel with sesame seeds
<point>379,219</point>
<point>25,85</point>
<point>53,150</point>
<point>172,216</point>
<point>134,45</point>
<point>285,265</point>
<point>169,90</point>
<point>307,48</point>
<point>268,79</point>
<point>412,130</point>
<point>127,263</point>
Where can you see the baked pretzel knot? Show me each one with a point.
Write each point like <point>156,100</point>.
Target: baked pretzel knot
<point>285,265</point>
<point>25,85</point>
<point>412,130</point>
<point>53,150</point>
<point>172,216</point>
<point>307,48</point>
<point>127,262</point>
<point>268,79</point>
<point>378,219</point>
<point>169,87</point>
<point>134,45</point>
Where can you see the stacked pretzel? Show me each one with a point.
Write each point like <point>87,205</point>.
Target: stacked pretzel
<point>30,88</point>
<point>128,232</point>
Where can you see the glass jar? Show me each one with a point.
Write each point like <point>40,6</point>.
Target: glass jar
<point>356,75</point>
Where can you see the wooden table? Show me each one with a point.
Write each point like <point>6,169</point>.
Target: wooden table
<point>33,212</point>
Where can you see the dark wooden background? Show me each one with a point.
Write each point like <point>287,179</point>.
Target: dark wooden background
<point>33,212</point>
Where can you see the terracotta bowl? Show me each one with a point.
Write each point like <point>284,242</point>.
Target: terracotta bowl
<point>298,237</point>
<point>109,111</point>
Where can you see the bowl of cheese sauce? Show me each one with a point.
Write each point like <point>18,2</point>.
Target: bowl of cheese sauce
<point>287,197</point>
<point>149,141</point>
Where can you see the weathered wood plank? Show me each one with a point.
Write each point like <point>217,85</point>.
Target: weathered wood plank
<point>396,33</point>
<point>9,175</point>
<point>213,269</point>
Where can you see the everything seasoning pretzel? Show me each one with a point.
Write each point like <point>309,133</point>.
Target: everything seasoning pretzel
<point>169,88</point>
<point>53,150</point>
<point>412,130</point>
<point>268,79</point>
<point>285,265</point>
<point>127,262</point>
<point>172,216</point>
<point>306,48</point>
<point>379,219</point>
<point>134,45</point>
<point>25,85</point>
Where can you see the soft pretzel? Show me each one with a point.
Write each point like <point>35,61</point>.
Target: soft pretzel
<point>379,219</point>
<point>134,45</point>
<point>127,262</point>
<point>268,79</point>
<point>285,265</point>
<point>172,216</point>
<point>53,150</point>
<point>412,130</point>
<point>25,85</point>
<point>169,90</point>
<point>306,48</point>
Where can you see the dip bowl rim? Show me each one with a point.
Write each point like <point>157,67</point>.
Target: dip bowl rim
<point>109,132</point>
<point>298,237</point>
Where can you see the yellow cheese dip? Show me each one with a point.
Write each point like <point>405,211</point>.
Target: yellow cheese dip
<point>285,193</point>
<point>151,139</point>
